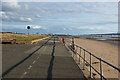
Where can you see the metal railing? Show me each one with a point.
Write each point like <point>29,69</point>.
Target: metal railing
<point>72,47</point>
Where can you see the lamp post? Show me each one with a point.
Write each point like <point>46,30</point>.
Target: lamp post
<point>28,27</point>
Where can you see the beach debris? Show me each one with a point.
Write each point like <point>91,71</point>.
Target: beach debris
<point>94,74</point>
<point>95,62</point>
<point>87,64</point>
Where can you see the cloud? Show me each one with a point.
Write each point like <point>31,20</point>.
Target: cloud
<point>28,19</point>
<point>61,0</point>
<point>39,27</point>
<point>26,6</point>
<point>38,16</point>
<point>36,27</point>
<point>10,6</point>
<point>88,28</point>
<point>5,18</point>
<point>12,16</point>
<point>68,16</point>
<point>91,28</point>
<point>2,13</point>
<point>25,19</point>
<point>67,29</point>
<point>10,13</point>
<point>16,19</point>
<point>64,29</point>
<point>100,8</point>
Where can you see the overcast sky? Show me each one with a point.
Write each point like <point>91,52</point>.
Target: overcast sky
<point>60,17</point>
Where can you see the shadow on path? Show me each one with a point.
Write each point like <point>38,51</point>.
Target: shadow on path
<point>49,75</point>
<point>14,66</point>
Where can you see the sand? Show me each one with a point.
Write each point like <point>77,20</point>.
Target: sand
<point>106,51</point>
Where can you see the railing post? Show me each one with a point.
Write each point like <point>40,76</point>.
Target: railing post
<point>80,56</point>
<point>76,54</point>
<point>73,46</point>
<point>84,61</point>
<point>90,66</point>
<point>100,72</point>
<point>101,68</point>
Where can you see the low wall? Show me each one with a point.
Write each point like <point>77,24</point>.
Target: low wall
<point>37,40</point>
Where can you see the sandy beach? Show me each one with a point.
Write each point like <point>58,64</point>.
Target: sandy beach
<point>106,51</point>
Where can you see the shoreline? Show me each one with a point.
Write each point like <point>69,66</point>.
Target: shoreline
<point>117,43</point>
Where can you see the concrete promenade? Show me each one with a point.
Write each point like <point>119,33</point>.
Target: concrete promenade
<point>40,61</point>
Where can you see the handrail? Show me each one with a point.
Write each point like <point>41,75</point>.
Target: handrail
<point>100,73</point>
<point>91,66</point>
<point>100,58</point>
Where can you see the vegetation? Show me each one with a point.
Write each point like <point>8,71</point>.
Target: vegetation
<point>20,38</point>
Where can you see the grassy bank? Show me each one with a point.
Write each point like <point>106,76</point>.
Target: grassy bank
<point>20,38</point>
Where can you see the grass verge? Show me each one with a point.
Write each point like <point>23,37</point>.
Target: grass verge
<point>20,38</point>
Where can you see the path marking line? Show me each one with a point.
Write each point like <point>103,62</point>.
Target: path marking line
<point>29,67</point>
<point>34,62</point>
<point>37,57</point>
<point>23,74</point>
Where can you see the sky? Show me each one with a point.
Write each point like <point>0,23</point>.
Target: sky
<point>60,17</point>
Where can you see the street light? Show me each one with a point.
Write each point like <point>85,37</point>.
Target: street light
<point>28,27</point>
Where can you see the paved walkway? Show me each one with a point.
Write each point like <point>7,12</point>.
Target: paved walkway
<point>49,61</point>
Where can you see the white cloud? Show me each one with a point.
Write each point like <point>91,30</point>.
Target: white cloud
<point>90,15</point>
<point>22,18</point>
<point>26,6</point>
<point>25,19</point>
<point>10,6</point>
<point>2,13</point>
<point>61,0</point>
<point>38,16</point>
<point>67,29</point>
<point>28,19</point>
<point>5,18</point>
<point>36,27</point>
<point>64,29</point>
<point>10,13</point>
<point>91,28</point>
<point>11,17</point>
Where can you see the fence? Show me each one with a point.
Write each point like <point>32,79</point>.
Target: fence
<point>75,53</point>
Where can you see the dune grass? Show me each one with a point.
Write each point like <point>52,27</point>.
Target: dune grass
<point>20,38</point>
